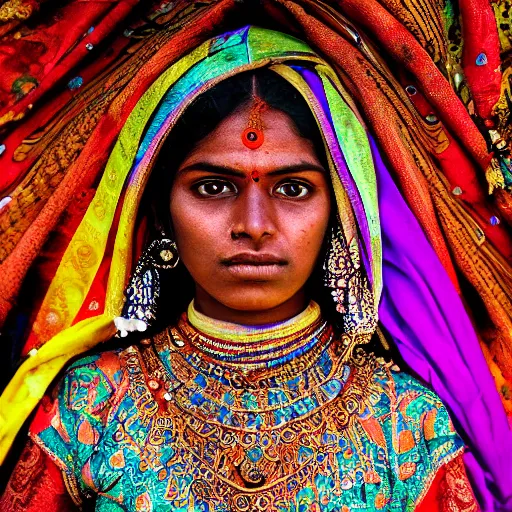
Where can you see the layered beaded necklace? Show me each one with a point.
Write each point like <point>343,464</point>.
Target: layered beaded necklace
<point>259,346</point>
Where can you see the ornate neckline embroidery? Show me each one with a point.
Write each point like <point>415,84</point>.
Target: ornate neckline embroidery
<point>243,434</point>
<point>233,397</point>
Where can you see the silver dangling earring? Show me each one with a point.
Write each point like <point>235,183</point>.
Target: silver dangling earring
<point>349,287</point>
<point>337,268</point>
<point>144,288</point>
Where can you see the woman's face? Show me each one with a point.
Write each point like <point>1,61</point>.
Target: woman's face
<point>249,223</point>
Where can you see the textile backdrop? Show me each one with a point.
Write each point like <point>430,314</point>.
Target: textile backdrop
<point>431,79</point>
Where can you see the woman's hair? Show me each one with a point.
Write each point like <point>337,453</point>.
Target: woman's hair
<point>200,119</point>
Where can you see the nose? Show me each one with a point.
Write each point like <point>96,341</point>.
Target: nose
<point>253,214</point>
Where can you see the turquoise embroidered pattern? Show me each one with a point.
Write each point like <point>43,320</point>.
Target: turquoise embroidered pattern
<point>158,427</point>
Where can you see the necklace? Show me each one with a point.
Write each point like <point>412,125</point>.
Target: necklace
<point>254,347</point>
<point>254,428</point>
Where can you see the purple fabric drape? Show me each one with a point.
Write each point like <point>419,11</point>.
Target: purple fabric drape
<point>315,84</point>
<point>423,313</point>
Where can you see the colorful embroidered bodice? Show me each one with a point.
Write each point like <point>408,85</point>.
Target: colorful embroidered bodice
<point>188,422</point>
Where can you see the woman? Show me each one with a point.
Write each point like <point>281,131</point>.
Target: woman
<point>255,398</point>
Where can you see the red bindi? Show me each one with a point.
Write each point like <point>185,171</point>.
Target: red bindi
<point>252,137</point>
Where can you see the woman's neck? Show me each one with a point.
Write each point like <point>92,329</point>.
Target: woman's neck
<point>207,305</point>
<point>225,329</point>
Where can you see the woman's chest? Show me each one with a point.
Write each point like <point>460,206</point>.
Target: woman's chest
<point>176,460</point>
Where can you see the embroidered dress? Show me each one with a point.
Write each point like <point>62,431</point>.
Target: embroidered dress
<point>213,416</point>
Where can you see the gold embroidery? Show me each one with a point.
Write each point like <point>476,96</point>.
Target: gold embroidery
<point>455,493</point>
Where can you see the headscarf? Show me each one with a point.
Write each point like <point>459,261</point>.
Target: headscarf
<point>100,249</point>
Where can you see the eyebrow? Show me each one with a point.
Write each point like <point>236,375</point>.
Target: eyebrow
<point>230,171</point>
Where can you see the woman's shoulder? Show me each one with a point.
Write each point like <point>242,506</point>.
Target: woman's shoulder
<point>410,393</point>
<point>89,389</point>
<point>403,427</point>
<point>416,401</point>
<point>100,375</point>
<point>105,362</point>
<point>412,417</point>
<point>392,388</point>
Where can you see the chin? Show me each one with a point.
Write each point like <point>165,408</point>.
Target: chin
<point>256,305</point>
<point>261,300</point>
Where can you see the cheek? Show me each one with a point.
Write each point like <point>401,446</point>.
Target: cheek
<point>308,233</point>
<point>197,232</point>
<point>318,216</point>
<point>190,228</point>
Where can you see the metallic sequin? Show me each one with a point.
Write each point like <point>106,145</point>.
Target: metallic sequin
<point>481,59</point>
<point>75,83</point>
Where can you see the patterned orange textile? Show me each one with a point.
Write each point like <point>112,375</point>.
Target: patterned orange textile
<point>36,484</point>
<point>450,491</point>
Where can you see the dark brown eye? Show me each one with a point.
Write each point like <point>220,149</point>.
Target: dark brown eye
<point>293,190</point>
<point>215,188</point>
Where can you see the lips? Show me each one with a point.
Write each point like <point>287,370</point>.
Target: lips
<point>255,267</point>
<point>254,259</point>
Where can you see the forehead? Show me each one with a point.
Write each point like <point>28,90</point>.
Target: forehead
<point>282,143</point>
